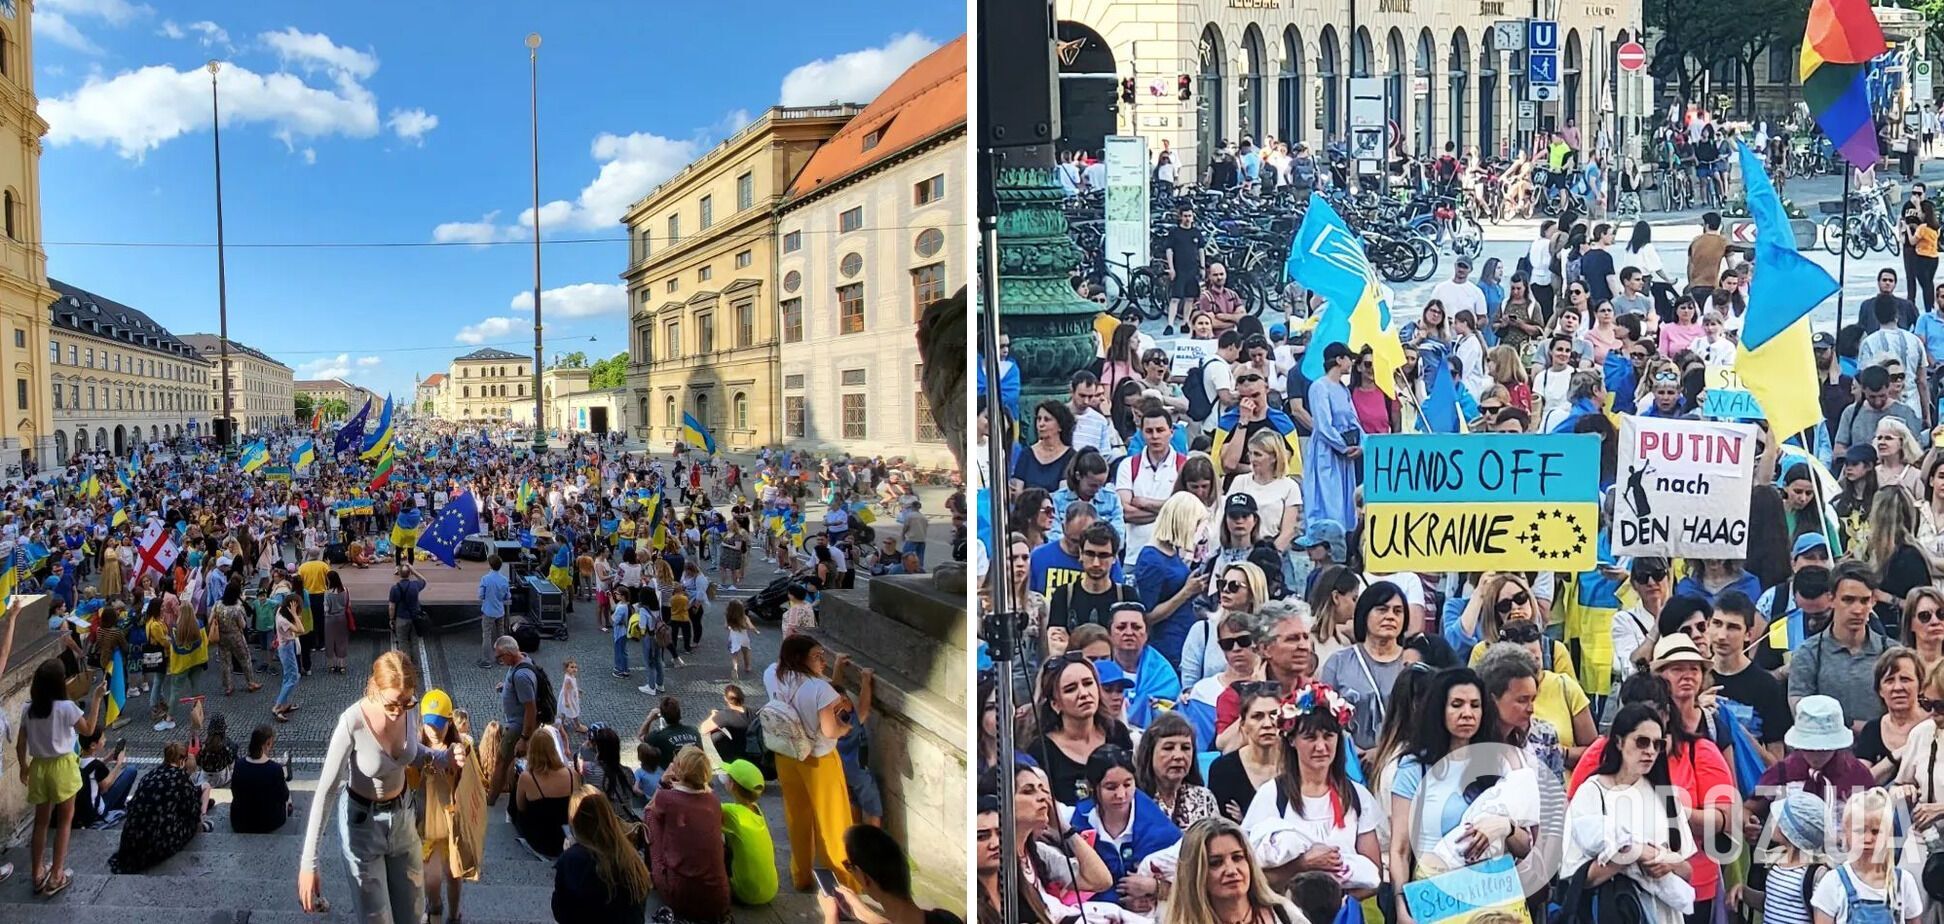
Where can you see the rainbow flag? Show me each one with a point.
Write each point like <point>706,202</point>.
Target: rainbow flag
<point>1837,46</point>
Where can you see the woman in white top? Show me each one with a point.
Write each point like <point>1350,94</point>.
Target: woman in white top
<point>1920,777</point>
<point>1714,347</point>
<point>50,731</point>
<point>1278,497</point>
<point>1469,347</point>
<point>376,740</point>
<point>1312,817</point>
<point>1624,811</point>
<point>1539,255</point>
<point>816,802</point>
<point>1552,384</point>
<point>1897,456</point>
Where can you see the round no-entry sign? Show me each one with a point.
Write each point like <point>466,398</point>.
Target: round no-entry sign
<point>1632,56</point>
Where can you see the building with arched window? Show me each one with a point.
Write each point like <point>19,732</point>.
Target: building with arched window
<point>26,413</point>
<point>113,371</point>
<point>852,301</point>
<point>263,391</point>
<point>489,384</point>
<point>1264,68</point>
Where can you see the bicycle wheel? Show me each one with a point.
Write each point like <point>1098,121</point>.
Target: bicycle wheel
<point>1889,239</point>
<point>1394,261</point>
<point>1856,238</point>
<point>1467,237</point>
<point>1832,234</point>
<point>1427,254</point>
<point>1147,292</point>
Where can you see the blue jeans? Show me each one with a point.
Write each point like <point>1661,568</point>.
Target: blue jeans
<point>651,659</point>
<point>287,656</point>
<point>621,652</point>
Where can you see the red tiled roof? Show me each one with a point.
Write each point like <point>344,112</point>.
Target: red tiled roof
<point>434,379</point>
<point>926,99</point>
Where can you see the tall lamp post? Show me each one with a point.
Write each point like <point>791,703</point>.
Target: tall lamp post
<point>539,416</point>
<point>222,284</point>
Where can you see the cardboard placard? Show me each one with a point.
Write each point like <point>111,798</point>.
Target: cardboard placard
<point>1683,488</point>
<point>1481,502</point>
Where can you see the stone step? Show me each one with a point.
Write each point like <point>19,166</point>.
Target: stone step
<point>223,854</point>
<point>143,897</point>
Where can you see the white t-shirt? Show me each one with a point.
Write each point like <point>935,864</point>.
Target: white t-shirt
<point>1271,500</point>
<point>1831,899</point>
<point>809,695</point>
<point>1406,581</point>
<point>1152,482</point>
<point>1634,812</point>
<point>1539,254</point>
<point>1647,260</point>
<point>1216,378</point>
<point>1312,826</point>
<point>53,736</point>
<point>1460,296</point>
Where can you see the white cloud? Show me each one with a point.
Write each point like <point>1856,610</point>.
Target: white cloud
<point>856,76</point>
<point>490,329</point>
<point>412,124</point>
<point>136,111</point>
<point>310,156</point>
<point>55,20</point>
<point>212,34</point>
<point>366,362</point>
<point>483,231</point>
<point>170,30</point>
<point>317,50</point>
<point>580,300</point>
<point>58,29</point>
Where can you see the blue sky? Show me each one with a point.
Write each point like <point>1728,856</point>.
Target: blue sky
<point>408,122</point>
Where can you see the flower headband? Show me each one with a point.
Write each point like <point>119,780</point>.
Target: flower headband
<point>1312,698</point>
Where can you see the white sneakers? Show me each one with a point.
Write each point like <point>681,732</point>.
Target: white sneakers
<point>649,689</point>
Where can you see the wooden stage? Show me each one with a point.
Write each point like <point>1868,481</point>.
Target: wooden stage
<point>450,597</point>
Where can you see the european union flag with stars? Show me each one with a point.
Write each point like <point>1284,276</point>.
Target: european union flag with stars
<point>458,520</point>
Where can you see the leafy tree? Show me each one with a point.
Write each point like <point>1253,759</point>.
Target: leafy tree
<point>334,408</point>
<point>1698,34</point>
<point>574,360</point>
<point>305,406</point>
<point>611,372</point>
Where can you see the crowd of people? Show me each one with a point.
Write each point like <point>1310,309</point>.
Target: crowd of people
<point>160,567</point>
<point>1223,713</point>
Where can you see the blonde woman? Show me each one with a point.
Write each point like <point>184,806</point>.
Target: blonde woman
<point>1218,880</point>
<point>1240,589</point>
<point>1278,497</point>
<point>684,829</point>
<point>1501,597</point>
<point>1898,455</point>
<point>540,796</point>
<point>1166,572</point>
<point>375,741</point>
<point>1924,627</point>
<point>1901,563</point>
<point>1930,513</point>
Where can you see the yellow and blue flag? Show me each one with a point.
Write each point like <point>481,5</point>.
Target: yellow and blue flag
<point>254,456</point>
<point>380,439</point>
<point>91,486</point>
<point>697,435</point>
<point>305,455</point>
<point>1780,369</point>
<point>1328,258</point>
<point>121,514</point>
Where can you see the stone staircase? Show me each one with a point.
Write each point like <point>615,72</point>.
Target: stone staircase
<point>228,878</point>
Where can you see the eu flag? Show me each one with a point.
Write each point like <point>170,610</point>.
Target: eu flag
<point>351,435</point>
<point>458,520</point>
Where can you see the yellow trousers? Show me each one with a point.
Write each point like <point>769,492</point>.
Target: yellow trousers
<point>817,811</point>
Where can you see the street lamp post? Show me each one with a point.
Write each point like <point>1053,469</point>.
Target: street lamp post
<point>222,283</point>
<point>539,417</point>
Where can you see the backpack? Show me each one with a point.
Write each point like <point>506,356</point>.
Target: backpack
<point>1195,389</point>
<point>1134,464</point>
<point>782,727</point>
<point>545,706</point>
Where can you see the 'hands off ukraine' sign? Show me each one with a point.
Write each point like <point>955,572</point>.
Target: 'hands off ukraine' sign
<point>1481,502</point>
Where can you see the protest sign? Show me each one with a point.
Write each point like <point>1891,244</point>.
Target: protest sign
<point>1684,488</point>
<point>1727,398</point>
<point>1184,354</point>
<point>1481,502</point>
<point>1463,895</point>
<point>277,473</point>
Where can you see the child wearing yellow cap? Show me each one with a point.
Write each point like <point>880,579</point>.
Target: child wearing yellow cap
<point>752,852</point>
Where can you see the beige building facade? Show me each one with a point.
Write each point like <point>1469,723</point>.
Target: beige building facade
<point>353,396</point>
<point>27,410</point>
<point>263,393</point>
<point>851,299</point>
<point>1262,68</point>
<point>117,379</point>
<point>489,385</point>
<point>426,393</point>
<point>703,322</point>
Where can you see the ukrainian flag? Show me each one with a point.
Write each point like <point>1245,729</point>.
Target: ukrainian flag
<point>694,434</point>
<point>254,456</point>
<point>91,487</point>
<point>121,515</point>
<point>121,478</point>
<point>378,442</point>
<point>305,455</point>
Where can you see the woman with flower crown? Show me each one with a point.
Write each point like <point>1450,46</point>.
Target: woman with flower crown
<point>1313,817</point>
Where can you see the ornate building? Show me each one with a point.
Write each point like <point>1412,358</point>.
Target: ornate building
<point>262,390</point>
<point>489,385</point>
<point>118,379</point>
<point>27,413</point>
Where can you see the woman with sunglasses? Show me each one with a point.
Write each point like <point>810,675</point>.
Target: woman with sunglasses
<point>1899,681</point>
<point>1032,515</point>
<point>1314,818</point>
<point>1166,769</point>
<point>1241,663</point>
<point>1628,801</point>
<point>1376,412</point>
<point>1663,397</point>
<point>1920,776</point>
<point>1240,590</point>
<point>1132,825</point>
<point>1893,552</point>
<point>1364,673</point>
<point>1069,723</point>
<point>1501,597</point>
<point>375,741</point>
<point>1256,755</point>
<point>1924,627</point>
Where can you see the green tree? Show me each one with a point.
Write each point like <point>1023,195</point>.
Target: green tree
<point>1698,34</point>
<point>611,372</point>
<point>334,409</point>
<point>305,406</point>
<point>574,360</point>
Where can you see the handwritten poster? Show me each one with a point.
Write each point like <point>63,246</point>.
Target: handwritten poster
<point>1185,355</point>
<point>1683,488</point>
<point>1481,502</point>
<point>1727,398</point>
<point>1463,895</point>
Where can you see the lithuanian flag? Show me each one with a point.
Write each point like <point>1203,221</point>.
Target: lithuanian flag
<point>384,472</point>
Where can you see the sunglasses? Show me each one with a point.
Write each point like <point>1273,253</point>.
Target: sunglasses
<point>1054,665</point>
<point>1926,615</point>
<point>1234,587</point>
<point>400,708</point>
<point>1256,378</point>
<point>1490,409</point>
<point>1507,604</point>
<point>1650,577</point>
<point>1258,688</point>
<point>1233,642</point>
<point>1648,743</point>
<point>1931,705</point>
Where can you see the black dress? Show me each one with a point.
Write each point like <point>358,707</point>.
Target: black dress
<point>1229,781</point>
<point>259,794</point>
<point>579,895</point>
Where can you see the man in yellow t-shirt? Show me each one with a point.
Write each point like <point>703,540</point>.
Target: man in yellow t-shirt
<point>752,851</point>
<point>312,574</point>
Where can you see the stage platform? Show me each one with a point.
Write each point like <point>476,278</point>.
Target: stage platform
<point>450,597</point>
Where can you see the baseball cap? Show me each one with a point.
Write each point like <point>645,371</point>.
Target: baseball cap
<point>1823,341</point>
<point>1809,542</point>
<point>1324,532</point>
<point>1239,505</point>
<point>746,775</point>
<point>1278,332</point>
<point>436,708</point>
<point>1111,674</point>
